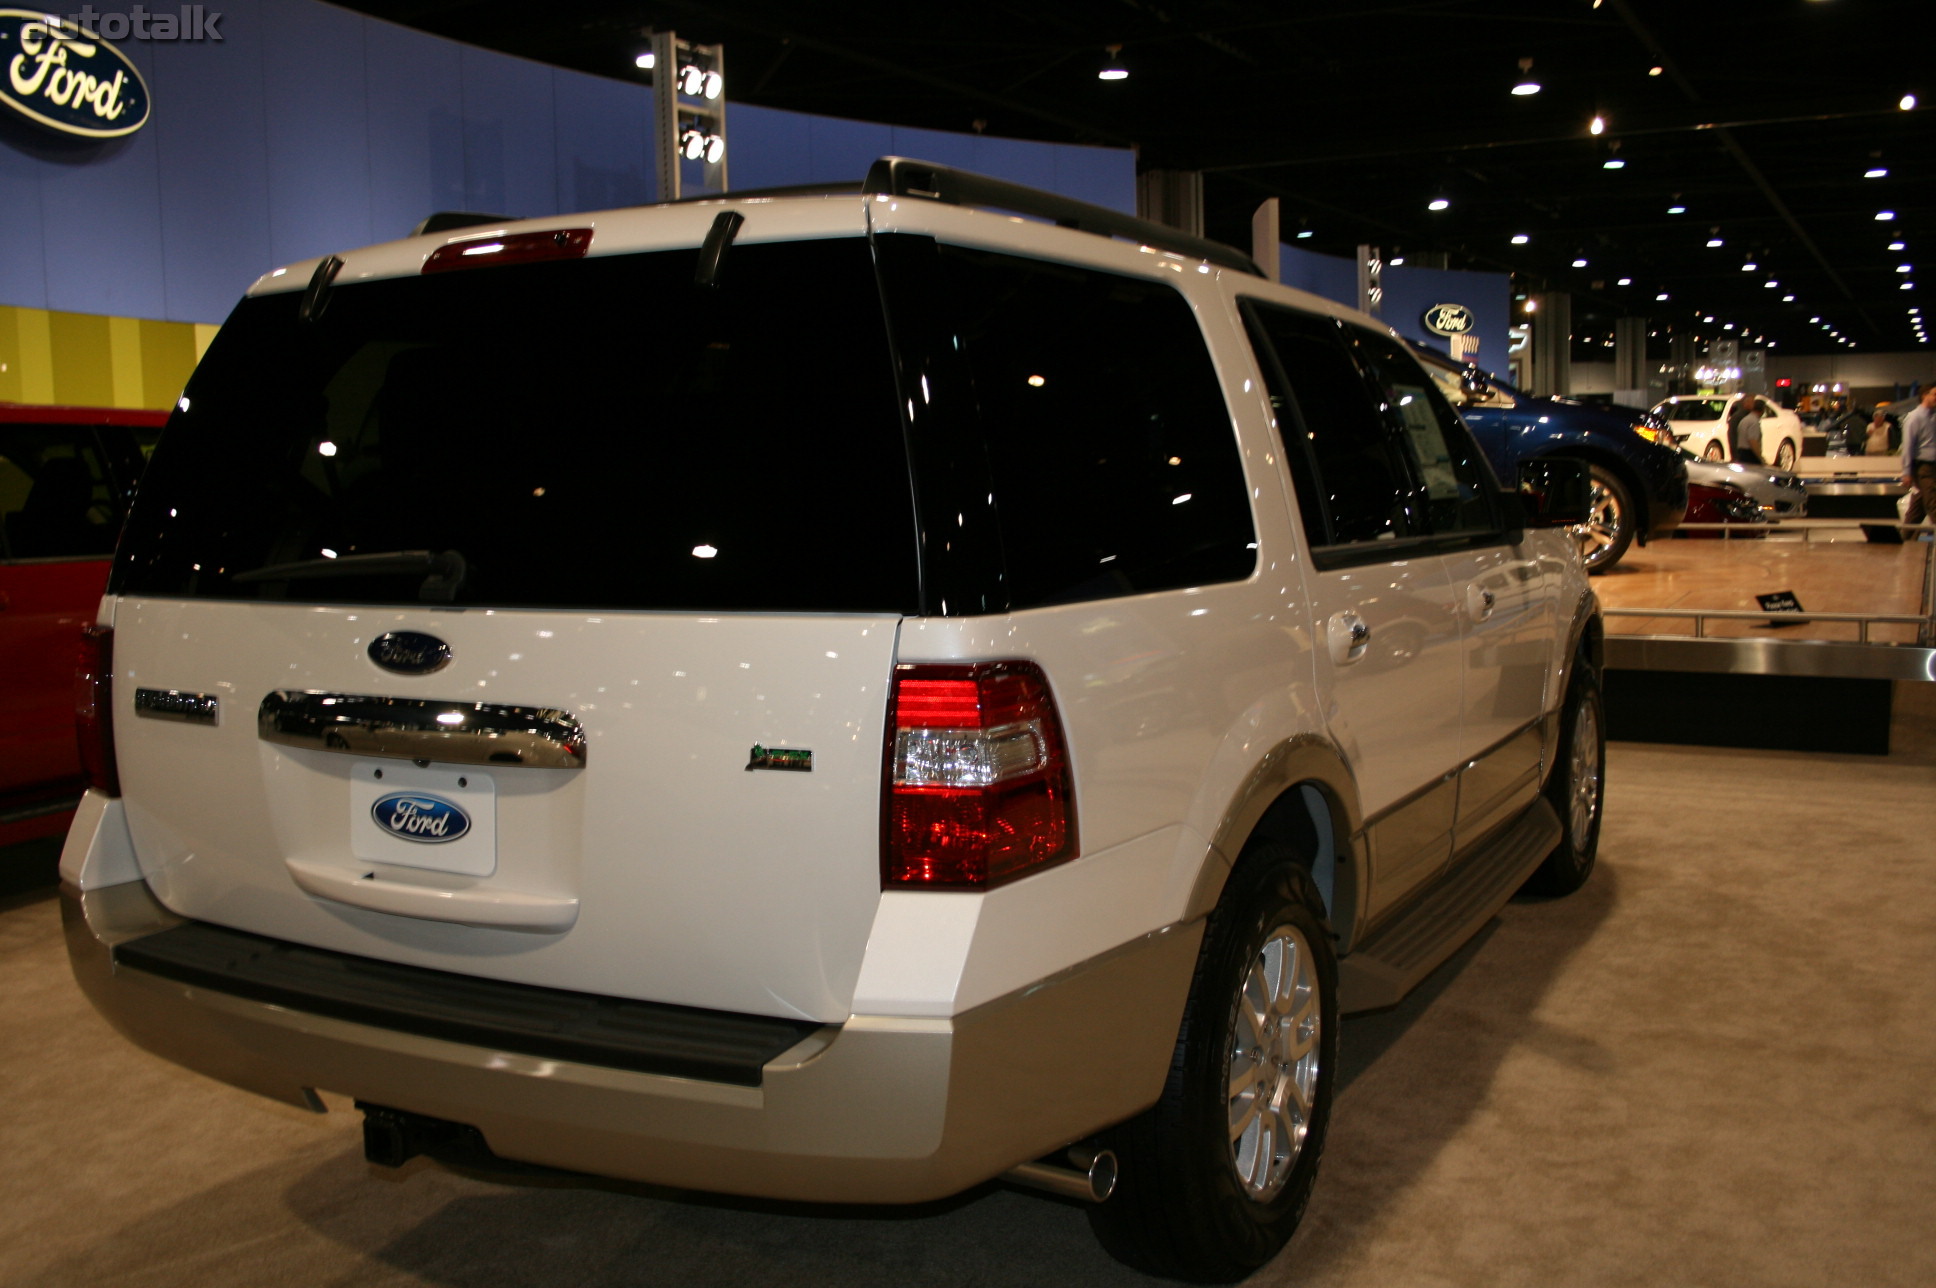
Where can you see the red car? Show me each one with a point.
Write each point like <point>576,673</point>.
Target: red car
<point>66,474</point>
<point>1720,503</point>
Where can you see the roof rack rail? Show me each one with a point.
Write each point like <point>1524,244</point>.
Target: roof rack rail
<point>906,177</point>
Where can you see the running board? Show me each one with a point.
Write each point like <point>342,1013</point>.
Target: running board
<point>1390,964</point>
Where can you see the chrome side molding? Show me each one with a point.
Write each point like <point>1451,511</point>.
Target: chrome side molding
<point>173,704</point>
<point>462,733</point>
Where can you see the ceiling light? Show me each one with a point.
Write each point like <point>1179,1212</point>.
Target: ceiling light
<point>1579,263</point>
<point>1787,299</point>
<point>1661,296</point>
<point>1898,246</point>
<point>1749,267</point>
<point>1902,268</point>
<point>644,61</point>
<point>1532,306</point>
<point>1907,286</point>
<point>1877,172</point>
<point>1713,242</point>
<point>1527,85</point>
<point>1437,203</point>
<point>1708,318</point>
<point>1655,71</point>
<point>1885,216</point>
<point>1112,65</point>
<point>1677,209</point>
<point>1598,125</point>
<point>1815,319</point>
<point>1625,281</point>
<point>1520,239</point>
<point>1303,233</point>
<point>1397,261</point>
<point>1770,284</point>
<point>1613,163</point>
<point>1907,102</point>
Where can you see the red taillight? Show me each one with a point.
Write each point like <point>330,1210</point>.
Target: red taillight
<point>512,248</point>
<point>94,709</point>
<point>978,784</point>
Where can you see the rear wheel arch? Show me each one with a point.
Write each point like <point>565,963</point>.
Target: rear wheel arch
<point>1302,795</point>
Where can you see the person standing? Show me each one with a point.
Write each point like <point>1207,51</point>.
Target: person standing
<point>1919,435</point>
<point>1878,433</point>
<point>1744,431</point>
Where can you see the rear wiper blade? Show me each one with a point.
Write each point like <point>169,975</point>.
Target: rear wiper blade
<point>445,571</point>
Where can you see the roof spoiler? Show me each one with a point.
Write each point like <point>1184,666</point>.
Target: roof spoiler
<point>446,220</point>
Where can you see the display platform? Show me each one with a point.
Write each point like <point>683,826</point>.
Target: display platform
<point>1714,667</point>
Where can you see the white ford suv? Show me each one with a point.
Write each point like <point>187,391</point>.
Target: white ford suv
<point>828,697</point>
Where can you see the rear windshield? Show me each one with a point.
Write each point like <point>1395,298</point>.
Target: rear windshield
<point>589,433</point>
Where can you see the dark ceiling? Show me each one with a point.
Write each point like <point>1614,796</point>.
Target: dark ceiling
<point>1762,120</point>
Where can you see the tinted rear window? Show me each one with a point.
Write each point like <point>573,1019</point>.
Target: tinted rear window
<point>592,433</point>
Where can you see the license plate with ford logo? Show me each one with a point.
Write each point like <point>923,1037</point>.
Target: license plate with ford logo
<point>441,820</point>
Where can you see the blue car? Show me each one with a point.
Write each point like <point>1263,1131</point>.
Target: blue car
<point>1639,486</point>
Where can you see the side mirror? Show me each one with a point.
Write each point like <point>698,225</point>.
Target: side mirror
<point>1477,389</point>
<point>1555,492</point>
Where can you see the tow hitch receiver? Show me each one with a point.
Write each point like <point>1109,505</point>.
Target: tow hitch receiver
<point>392,1137</point>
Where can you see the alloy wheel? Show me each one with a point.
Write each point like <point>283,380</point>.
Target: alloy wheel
<point>1606,520</point>
<point>1584,770</point>
<point>1272,1072</point>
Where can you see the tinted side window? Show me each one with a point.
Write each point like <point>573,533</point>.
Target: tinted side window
<point>1458,485</point>
<point>1111,450</point>
<point>57,500</point>
<point>1355,483</point>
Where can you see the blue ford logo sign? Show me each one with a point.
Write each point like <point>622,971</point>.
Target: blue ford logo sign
<point>1449,319</point>
<point>68,80</point>
<point>409,652</point>
<point>419,816</point>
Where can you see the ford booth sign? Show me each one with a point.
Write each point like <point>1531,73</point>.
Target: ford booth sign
<point>68,80</point>
<point>1449,319</point>
<point>416,816</point>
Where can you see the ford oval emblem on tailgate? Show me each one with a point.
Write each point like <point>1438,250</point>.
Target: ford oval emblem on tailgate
<point>409,652</point>
<point>418,816</point>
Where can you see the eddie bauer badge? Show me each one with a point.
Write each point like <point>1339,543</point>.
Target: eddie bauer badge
<point>780,758</point>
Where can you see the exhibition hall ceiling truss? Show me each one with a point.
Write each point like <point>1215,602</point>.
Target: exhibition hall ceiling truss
<point>1668,147</point>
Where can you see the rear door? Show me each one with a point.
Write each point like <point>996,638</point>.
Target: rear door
<point>1384,606</point>
<point>532,621</point>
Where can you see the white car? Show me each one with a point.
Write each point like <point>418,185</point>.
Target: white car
<point>1700,424</point>
<point>834,698</point>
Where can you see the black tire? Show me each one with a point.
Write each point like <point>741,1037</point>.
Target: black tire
<point>1609,528</point>
<point>1575,788</point>
<point>1715,452</point>
<point>1785,455</point>
<point>1193,1202</point>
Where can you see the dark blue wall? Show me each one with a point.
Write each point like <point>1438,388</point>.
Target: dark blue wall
<point>1409,291</point>
<point>310,129</point>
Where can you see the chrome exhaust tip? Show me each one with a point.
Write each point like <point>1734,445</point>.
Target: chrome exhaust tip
<point>1090,1176</point>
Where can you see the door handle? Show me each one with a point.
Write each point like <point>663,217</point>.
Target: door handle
<point>1348,636</point>
<point>1480,602</point>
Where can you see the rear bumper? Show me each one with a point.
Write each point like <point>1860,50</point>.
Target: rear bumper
<point>881,1109</point>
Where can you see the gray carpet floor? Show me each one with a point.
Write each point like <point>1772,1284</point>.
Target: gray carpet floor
<point>1712,1066</point>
